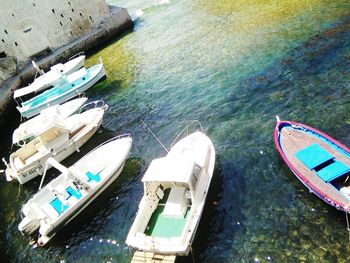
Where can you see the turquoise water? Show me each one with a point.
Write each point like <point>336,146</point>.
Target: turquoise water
<point>233,66</point>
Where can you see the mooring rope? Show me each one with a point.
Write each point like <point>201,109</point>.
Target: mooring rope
<point>191,250</point>
<point>347,220</point>
<point>155,136</point>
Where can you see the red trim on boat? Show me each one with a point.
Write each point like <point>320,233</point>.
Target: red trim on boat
<point>293,168</point>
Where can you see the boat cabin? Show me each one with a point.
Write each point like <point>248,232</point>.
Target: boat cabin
<point>169,192</point>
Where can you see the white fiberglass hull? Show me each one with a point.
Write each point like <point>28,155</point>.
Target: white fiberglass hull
<point>31,169</point>
<point>51,77</point>
<point>149,237</point>
<point>46,100</point>
<point>30,128</point>
<point>41,211</point>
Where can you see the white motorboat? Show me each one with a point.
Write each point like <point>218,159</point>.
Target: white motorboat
<point>53,77</point>
<point>175,190</point>
<point>59,141</point>
<point>62,199</point>
<point>74,85</point>
<point>27,130</point>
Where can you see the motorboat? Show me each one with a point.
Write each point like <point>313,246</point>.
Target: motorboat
<point>62,199</point>
<point>28,130</point>
<point>175,190</point>
<point>59,141</point>
<point>51,78</point>
<point>75,84</point>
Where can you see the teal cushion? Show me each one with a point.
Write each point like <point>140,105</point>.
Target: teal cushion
<point>313,156</point>
<point>333,171</point>
<point>93,177</point>
<point>74,192</point>
<point>59,206</point>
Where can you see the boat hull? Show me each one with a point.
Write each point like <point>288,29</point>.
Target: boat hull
<point>36,168</point>
<point>41,215</point>
<point>291,138</point>
<point>178,243</point>
<point>27,111</point>
<point>54,228</point>
<point>34,126</point>
<point>51,78</point>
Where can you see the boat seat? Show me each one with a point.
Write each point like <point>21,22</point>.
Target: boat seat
<point>176,203</point>
<point>314,156</point>
<point>58,205</point>
<point>333,171</point>
<point>160,193</point>
<point>93,177</point>
<point>73,192</point>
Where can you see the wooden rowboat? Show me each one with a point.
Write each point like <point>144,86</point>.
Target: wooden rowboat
<point>320,162</point>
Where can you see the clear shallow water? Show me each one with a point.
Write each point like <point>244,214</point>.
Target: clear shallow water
<point>233,66</point>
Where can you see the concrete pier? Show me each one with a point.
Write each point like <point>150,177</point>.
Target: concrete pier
<point>110,26</point>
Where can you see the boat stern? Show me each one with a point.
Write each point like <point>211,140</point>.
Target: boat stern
<point>28,225</point>
<point>30,222</point>
<point>165,246</point>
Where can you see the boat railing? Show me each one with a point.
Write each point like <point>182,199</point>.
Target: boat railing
<point>77,55</point>
<point>94,104</point>
<point>125,135</point>
<point>186,129</point>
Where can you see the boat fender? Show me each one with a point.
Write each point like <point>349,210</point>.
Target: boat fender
<point>76,148</point>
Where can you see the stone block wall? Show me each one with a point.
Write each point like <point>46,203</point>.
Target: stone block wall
<point>32,27</point>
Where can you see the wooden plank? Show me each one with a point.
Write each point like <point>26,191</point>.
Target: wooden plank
<point>140,256</point>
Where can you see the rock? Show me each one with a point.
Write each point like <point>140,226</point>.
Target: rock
<point>8,68</point>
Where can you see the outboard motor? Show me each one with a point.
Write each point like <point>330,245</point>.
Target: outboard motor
<point>28,225</point>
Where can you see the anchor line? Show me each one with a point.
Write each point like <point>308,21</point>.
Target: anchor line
<point>155,136</point>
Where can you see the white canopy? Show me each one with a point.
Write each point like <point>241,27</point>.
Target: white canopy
<point>169,169</point>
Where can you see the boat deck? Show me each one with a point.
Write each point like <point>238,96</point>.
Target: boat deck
<point>292,141</point>
<point>165,226</point>
<point>161,225</point>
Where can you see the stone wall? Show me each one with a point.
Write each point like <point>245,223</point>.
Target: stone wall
<point>118,19</point>
<point>8,68</point>
<point>32,27</point>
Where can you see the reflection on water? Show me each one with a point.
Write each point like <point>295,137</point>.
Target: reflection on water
<point>233,65</point>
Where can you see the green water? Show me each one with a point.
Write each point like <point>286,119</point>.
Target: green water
<point>233,66</point>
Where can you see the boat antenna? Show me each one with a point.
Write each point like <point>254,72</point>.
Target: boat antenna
<point>43,176</point>
<point>155,136</point>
